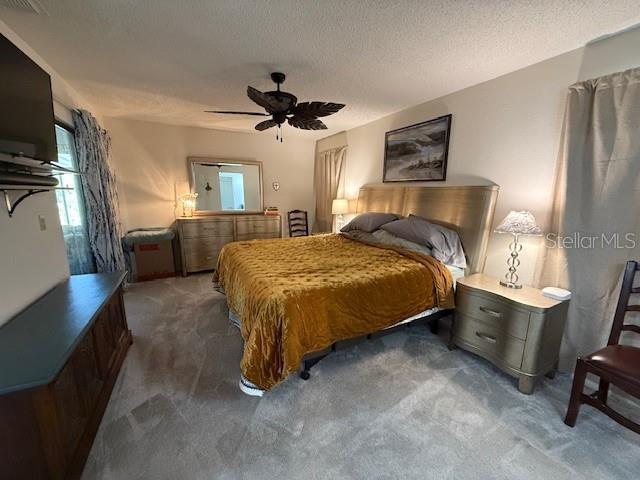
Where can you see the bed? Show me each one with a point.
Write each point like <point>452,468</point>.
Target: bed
<point>295,299</point>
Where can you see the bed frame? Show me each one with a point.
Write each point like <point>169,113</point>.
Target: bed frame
<point>467,209</point>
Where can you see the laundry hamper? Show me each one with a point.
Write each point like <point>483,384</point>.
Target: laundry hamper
<point>149,253</point>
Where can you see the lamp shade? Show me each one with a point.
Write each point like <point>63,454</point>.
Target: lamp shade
<point>340,206</point>
<point>519,223</point>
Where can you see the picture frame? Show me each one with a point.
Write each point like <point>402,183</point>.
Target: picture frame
<point>419,152</point>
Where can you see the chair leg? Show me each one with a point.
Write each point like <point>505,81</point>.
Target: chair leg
<point>603,391</point>
<point>579,377</point>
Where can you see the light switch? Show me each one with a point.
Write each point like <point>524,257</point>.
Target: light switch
<point>42,222</point>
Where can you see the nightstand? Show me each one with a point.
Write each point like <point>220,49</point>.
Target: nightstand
<point>518,330</point>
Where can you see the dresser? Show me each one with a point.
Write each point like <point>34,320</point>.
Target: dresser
<point>202,238</point>
<point>59,360</point>
<point>518,330</point>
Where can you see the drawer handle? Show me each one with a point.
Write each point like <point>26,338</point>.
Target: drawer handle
<point>493,313</point>
<point>486,338</point>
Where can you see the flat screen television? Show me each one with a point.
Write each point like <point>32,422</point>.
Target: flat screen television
<point>27,125</point>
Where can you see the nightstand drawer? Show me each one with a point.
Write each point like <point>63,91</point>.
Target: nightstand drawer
<point>489,339</point>
<point>498,314</point>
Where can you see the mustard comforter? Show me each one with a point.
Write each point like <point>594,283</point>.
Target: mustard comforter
<point>299,295</point>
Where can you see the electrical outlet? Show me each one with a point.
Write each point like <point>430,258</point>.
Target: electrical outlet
<point>42,222</point>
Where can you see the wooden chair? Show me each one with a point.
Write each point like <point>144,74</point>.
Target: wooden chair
<point>298,225</point>
<point>615,364</point>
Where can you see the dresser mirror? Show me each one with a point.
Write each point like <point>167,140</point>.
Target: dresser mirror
<point>226,185</point>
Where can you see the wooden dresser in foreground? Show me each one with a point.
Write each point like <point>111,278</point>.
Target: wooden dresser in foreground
<point>202,238</point>
<point>59,360</point>
<point>518,330</point>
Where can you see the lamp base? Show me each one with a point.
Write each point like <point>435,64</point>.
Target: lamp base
<point>510,284</point>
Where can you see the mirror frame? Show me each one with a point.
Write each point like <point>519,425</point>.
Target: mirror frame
<point>191,161</point>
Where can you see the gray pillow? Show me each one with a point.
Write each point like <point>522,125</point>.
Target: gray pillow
<point>444,242</point>
<point>386,238</point>
<point>368,222</point>
<point>360,235</point>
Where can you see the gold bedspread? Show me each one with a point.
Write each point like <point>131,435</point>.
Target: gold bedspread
<point>299,295</point>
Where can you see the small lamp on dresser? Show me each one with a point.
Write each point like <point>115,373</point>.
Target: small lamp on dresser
<point>188,201</point>
<point>339,207</point>
<point>516,223</point>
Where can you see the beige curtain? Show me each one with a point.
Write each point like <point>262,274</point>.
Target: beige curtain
<point>596,208</point>
<point>328,183</point>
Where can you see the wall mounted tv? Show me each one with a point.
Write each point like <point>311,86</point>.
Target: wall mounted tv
<point>27,126</point>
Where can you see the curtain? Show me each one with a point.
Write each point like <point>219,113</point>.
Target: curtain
<point>79,252</point>
<point>596,207</point>
<point>93,147</point>
<point>328,183</point>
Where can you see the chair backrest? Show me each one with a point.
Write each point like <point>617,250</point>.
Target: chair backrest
<point>298,224</point>
<point>623,304</point>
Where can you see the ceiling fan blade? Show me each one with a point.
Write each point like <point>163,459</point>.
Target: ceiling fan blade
<point>270,103</point>
<point>316,109</point>
<point>266,124</point>
<point>307,123</point>
<point>238,113</point>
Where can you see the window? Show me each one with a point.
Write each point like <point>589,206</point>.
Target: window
<point>71,206</point>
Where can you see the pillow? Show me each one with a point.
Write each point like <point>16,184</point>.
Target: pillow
<point>368,222</point>
<point>444,242</point>
<point>386,238</point>
<point>360,235</point>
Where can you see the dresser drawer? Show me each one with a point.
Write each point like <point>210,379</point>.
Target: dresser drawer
<point>257,225</point>
<point>197,264</point>
<point>202,253</point>
<point>208,228</point>
<point>489,339</point>
<point>257,236</point>
<point>205,245</point>
<point>491,311</point>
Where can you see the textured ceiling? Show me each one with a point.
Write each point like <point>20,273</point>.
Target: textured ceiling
<point>168,60</point>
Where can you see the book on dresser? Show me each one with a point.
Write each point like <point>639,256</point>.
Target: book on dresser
<point>202,238</point>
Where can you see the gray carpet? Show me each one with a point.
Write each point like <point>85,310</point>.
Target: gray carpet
<point>401,406</point>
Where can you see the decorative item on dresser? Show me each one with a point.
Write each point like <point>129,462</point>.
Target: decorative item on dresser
<point>59,360</point>
<point>298,223</point>
<point>202,238</point>
<point>519,331</point>
<point>516,223</point>
<point>615,364</point>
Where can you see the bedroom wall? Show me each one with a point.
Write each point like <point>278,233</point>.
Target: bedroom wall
<point>33,261</point>
<point>506,131</point>
<point>150,160</point>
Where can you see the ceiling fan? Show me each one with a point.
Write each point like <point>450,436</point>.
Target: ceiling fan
<point>283,107</point>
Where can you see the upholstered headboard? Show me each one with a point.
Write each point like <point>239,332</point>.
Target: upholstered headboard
<point>466,209</point>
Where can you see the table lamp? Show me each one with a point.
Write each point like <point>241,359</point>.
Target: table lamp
<point>188,201</point>
<point>339,207</point>
<point>516,223</point>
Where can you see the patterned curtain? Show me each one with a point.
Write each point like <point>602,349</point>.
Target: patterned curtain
<point>93,146</point>
<point>328,183</point>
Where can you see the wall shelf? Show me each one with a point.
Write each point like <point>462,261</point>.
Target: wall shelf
<point>33,166</point>
<point>24,174</point>
<point>30,191</point>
